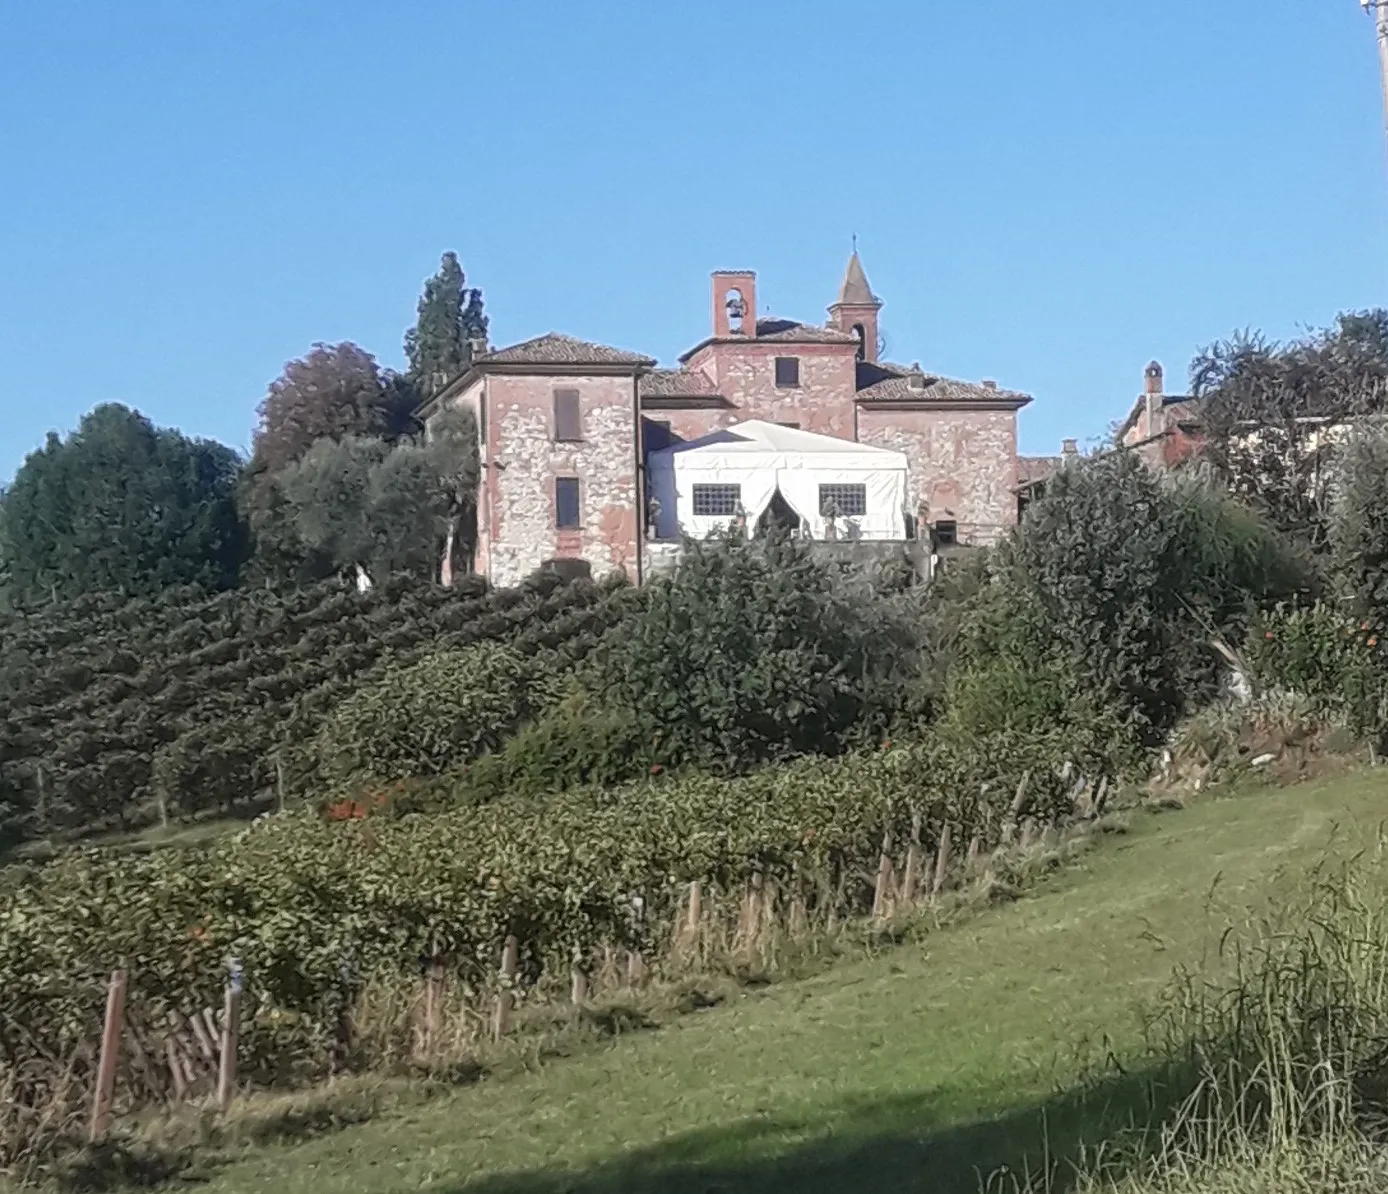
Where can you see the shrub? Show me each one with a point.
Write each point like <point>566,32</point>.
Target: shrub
<point>424,719</point>
<point>1323,654</point>
<point>754,651</point>
<point>1358,524</point>
<point>1124,576</point>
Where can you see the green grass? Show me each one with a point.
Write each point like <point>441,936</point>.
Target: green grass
<point>922,1069</point>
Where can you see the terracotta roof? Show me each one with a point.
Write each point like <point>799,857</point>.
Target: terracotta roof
<point>676,383</point>
<point>793,331</point>
<point>921,387</point>
<point>855,291</point>
<point>1031,469</point>
<point>556,349</point>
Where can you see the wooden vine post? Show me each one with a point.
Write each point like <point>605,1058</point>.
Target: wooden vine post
<point>110,1056</point>
<point>884,876</point>
<point>506,997</point>
<point>695,916</point>
<point>941,862</point>
<point>433,995</point>
<point>231,1035</point>
<point>910,882</point>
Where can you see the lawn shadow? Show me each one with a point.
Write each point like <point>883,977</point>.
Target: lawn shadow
<point>881,1145</point>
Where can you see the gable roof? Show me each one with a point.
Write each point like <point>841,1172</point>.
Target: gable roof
<point>554,348</point>
<point>918,386</point>
<point>676,383</point>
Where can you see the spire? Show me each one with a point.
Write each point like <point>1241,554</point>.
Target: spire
<point>855,291</point>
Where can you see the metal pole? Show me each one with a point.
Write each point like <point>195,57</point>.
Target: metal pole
<point>1378,9</point>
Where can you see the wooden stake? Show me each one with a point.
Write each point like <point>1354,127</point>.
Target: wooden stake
<point>1028,833</point>
<point>941,861</point>
<point>1019,801</point>
<point>110,1056</point>
<point>911,880</point>
<point>636,968</point>
<point>180,1083</point>
<point>279,781</point>
<point>1101,798</point>
<point>975,849</point>
<point>506,999</point>
<point>696,912</point>
<point>231,1036</point>
<point>884,875</point>
<point>578,985</point>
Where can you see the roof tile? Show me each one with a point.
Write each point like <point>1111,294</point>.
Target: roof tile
<point>554,348</point>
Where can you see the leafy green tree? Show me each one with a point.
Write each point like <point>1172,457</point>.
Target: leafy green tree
<point>755,651</point>
<point>121,505</point>
<point>1272,413</point>
<point>383,508</point>
<point>335,391</point>
<point>1117,581</point>
<point>1359,524</point>
<point>439,347</point>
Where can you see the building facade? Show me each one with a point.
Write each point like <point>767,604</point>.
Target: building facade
<point>566,426</point>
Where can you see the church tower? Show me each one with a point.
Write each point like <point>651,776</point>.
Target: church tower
<point>855,310</point>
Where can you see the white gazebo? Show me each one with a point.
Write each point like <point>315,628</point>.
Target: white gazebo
<point>706,483</point>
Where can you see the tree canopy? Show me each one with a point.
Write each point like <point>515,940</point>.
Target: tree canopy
<point>439,347</point>
<point>123,506</point>
<point>335,391</point>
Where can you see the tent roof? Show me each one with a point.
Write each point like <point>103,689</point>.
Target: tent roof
<point>755,437</point>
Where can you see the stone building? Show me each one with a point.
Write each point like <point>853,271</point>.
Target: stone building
<point>566,425</point>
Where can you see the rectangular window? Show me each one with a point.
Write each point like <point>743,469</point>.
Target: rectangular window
<point>947,533</point>
<point>717,501</point>
<point>788,372</point>
<point>568,422</point>
<point>567,516</point>
<point>847,501</point>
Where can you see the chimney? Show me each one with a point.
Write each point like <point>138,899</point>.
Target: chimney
<point>1069,447</point>
<point>989,384</point>
<point>916,379</point>
<point>734,303</point>
<point>1152,390</point>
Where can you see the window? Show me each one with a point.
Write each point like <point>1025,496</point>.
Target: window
<point>568,423</point>
<point>788,372</point>
<point>946,533</point>
<point>567,516</point>
<point>848,501</point>
<point>717,501</point>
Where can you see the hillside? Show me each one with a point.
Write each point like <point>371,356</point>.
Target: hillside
<point>914,1070</point>
<point>116,714</point>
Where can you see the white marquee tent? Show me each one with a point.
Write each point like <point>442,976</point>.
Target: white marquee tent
<point>700,485</point>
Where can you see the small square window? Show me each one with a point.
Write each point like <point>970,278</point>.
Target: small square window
<point>568,422</point>
<point>717,501</point>
<point>847,501</point>
<point>946,533</point>
<point>567,516</point>
<point>788,372</point>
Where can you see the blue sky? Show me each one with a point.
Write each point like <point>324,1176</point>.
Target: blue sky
<point>1048,195</point>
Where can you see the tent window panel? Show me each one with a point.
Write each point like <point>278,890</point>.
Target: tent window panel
<point>717,501</point>
<point>845,501</point>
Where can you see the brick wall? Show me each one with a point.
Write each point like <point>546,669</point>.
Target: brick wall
<point>745,372</point>
<point>524,460</point>
<point>963,464</point>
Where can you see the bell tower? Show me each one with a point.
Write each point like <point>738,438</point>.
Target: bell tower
<point>855,310</point>
<point>734,303</point>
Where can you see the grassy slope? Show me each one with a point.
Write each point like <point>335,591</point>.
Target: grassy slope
<point>911,1071</point>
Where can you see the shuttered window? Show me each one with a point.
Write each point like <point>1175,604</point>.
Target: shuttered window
<point>568,420</point>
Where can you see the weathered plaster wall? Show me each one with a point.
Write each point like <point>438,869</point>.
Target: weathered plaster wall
<point>524,461</point>
<point>963,464</point>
